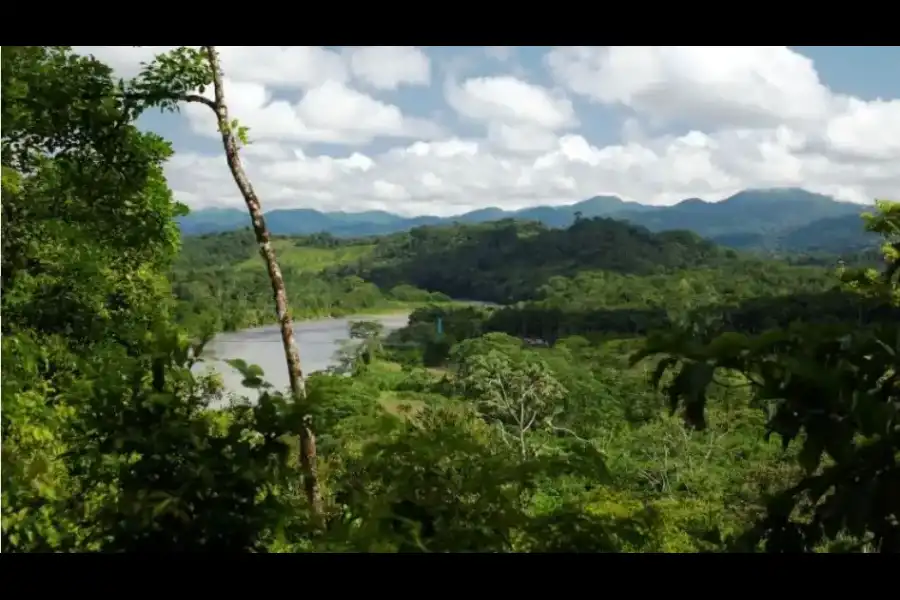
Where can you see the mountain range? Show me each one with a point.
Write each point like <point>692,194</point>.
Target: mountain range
<point>780,219</point>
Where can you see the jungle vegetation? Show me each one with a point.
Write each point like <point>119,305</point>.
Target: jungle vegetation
<point>635,392</point>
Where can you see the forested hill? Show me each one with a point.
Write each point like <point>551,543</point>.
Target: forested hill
<point>594,264</point>
<point>509,261</point>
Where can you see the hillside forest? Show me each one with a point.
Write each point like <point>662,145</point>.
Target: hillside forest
<point>598,387</point>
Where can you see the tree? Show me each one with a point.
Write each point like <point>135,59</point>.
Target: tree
<point>512,389</point>
<point>447,484</point>
<point>370,335</point>
<point>108,443</point>
<point>363,330</point>
<point>173,78</point>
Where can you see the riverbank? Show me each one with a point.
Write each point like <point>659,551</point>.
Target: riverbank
<point>409,307</point>
<point>381,309</point>
<point>318,341</point>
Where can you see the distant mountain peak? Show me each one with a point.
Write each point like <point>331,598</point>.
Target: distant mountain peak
<point>603,198</point>
<point>753,217</point>
<point>599,206</point>
<point>778,194</point>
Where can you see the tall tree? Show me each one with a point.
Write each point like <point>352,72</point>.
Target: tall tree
<point>168,81</point>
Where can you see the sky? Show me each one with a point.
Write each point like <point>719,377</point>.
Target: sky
<point>446,129</point>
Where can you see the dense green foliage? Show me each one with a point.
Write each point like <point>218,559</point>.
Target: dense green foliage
<point>223,286</point>
<point>835,389</point>
<point>624,403</point>
<point>598,275</point>
<point>508,261</point>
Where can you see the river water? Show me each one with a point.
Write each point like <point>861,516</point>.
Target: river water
<point>317,341</point>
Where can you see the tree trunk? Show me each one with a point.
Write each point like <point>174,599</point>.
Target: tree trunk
<point>295,373</point>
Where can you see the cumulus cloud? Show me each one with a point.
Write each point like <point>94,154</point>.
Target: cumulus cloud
<point>676,123</point>
<point>519,116</point>
<point>275,66</point>
<point>283,66</point>
<point>866,129</point>
<point>331,113</point>
<point>507,99</point>
<point>712,85</point>
<point>731,88</point>
<point>453,176</point>
<point>387,67</point>
<point>301,93</point>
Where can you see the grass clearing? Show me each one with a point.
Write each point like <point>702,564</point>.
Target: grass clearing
<point>400,405</point>
<point>309,259</point>
<point>386,366</point>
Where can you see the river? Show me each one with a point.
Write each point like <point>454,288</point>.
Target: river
<point>317,340</point>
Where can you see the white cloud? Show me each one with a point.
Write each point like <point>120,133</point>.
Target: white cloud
<point>510,100</point>
<point>386,190</point>
<point>521,138</point>
<point>283,66</point>
<point>387,67</point>
<point>519,116</point>
<point>297,93</point>
<point>454,176</point>
<point>731,87</point>
<point>866,129</point>
<point>721,85</point>
<point>696,122</point>
<point>275,66</point>
<point>332,113</point>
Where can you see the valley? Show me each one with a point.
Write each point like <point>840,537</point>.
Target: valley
<point>600,378</point>
<point>571,308</point>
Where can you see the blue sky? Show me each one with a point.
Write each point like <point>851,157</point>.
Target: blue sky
<point>868,72</point>
<point>445,129</point>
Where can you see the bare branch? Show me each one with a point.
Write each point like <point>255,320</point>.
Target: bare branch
<point>197,98</point>
<point>567,431</point>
